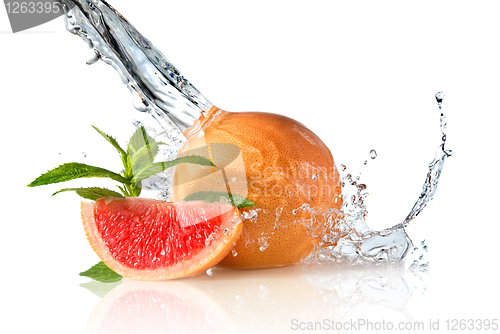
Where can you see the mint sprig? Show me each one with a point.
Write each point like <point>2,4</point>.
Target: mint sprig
<point>138,164</point>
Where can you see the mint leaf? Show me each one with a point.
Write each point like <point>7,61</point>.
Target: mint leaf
<point>123,154</point>
<point>158,167</point>
<point>214,196</point>
<point>93,193</point>
<point>139,139</point>
<point>124,191</point>
<point>101,272</point>
<point>74,170</point>
<point>144,156</point>
<point>112,141</point>
<point>142,150</point>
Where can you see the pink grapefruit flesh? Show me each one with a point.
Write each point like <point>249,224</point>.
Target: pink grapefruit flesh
<point>148,239</point>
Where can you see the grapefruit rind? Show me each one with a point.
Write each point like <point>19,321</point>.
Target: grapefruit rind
<point>197,264</point>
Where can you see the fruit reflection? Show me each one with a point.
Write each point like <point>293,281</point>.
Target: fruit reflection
<point>230,301</point>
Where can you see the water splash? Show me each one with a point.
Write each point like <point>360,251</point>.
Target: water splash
<point>351,240</point>
<point>435,168</point>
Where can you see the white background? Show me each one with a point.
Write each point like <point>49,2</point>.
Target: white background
<point>360,74</point>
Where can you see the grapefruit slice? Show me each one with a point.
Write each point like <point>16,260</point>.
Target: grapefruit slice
<point>147,239</point>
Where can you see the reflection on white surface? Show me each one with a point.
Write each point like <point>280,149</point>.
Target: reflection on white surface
<point>270,300</point>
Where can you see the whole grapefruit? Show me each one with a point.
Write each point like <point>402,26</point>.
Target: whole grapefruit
<point>281,166</point>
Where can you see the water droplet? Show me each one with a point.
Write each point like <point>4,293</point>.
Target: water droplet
<point>210,239</point>
<point>373,154</point>
<point>365,162</point>
<point>439,98</point>
<point>263,243</point>
<point>425,248</point>
<point>422,242</point>
<point>233,179</point>
<point>252,214</point>
<point>84,155</point>
<point>224,199</point>
<point>137,123</point>
<point>315,176</point>
<point>234,252</point>
<point>342,167</point>
<point>421,257</point>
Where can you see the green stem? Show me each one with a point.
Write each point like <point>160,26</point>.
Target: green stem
<point>128,175</point>
<point>124,191</point>
<point>136,191</point>
<point>130,191</point>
